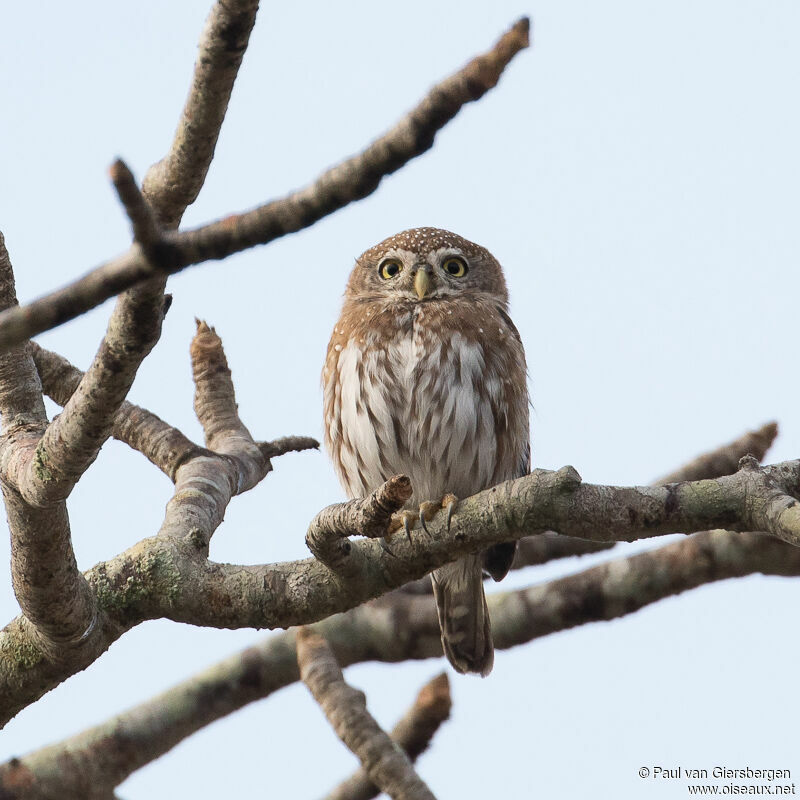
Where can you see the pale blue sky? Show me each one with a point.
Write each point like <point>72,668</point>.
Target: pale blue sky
<point>636,173</point>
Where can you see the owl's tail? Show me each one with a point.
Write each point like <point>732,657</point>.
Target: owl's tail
<point>463,615</point>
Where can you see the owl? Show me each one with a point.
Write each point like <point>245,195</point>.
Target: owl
<point>425,376</point>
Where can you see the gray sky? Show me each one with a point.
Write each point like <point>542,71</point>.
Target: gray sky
<point>635,172</point>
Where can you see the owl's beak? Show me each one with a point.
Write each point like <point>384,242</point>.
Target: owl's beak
<point>422,283</point>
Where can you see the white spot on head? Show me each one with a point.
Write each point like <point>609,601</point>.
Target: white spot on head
<point>337,347</point>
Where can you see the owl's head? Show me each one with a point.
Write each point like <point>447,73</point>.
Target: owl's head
<point>424,264</point>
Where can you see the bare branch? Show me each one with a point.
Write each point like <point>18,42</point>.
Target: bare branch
<point>73,440</point>
<point>353,179</point>
<point>92,763</point>
<point>413,733</point>
<point>722,461</point>
<point>300,592</point>
<point>327,535</point>
<point>214,397</point>
<point>407,628</point>
<point>71,444</point>
<point>21,402</point>
<point>725,460</point>
<point>160,443</point>
<point>346,709</point>
<point>549,546</point>
<point>52,593</point>
<point>168,576</point>
<point>146,230</point>
<point>287,444</point>
<point>174,183</point>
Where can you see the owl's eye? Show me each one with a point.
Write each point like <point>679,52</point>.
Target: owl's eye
<point>456,267</point>
<point>390,268</point>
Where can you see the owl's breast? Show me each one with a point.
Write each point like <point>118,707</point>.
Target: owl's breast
<point>422,398</point>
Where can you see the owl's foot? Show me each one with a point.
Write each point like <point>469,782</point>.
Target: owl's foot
<point>407,519</point>
<point>428,510</point>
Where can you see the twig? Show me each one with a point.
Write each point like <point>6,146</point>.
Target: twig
<point>287,444</point>
<point>146,230</point>
<point>413,733</point>
<point>353,179</point>
<point>346,709</point>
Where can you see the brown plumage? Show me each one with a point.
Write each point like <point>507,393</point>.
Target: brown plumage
<point>425,376</point>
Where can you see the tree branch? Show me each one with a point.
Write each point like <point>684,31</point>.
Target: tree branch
<point>722,461</point>
<point>167,576</point>
<point>353,179</point>
<point>51,591</point>
<point>403,628</point>
<point>216,409</point>
<point>174,183</point>
<point>346,709</point>
<point>72,442</point>
<point>413,733</point>
<point>327,535</point>
<point>164,446</point>
<point>725,460</point>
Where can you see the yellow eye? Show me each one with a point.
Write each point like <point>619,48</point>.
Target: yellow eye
<point>390,268</point>
<point>455,266</point>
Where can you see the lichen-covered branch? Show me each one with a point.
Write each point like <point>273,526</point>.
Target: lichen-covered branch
<point>406,627</point>
<point>168,576</point>
<point>353,179</point>
<point>413,733</point>
<point>346,709</point>
<point>721,461</point>
<point>149,576</point>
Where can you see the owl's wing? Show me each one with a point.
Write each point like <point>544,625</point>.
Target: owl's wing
<point>498,558</point>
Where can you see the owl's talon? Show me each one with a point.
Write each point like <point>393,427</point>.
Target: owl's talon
<point>385,547</point>
<point>405,520</point>
<point>407,527</point>
<point>449,503</point>
<point>427,511</point>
